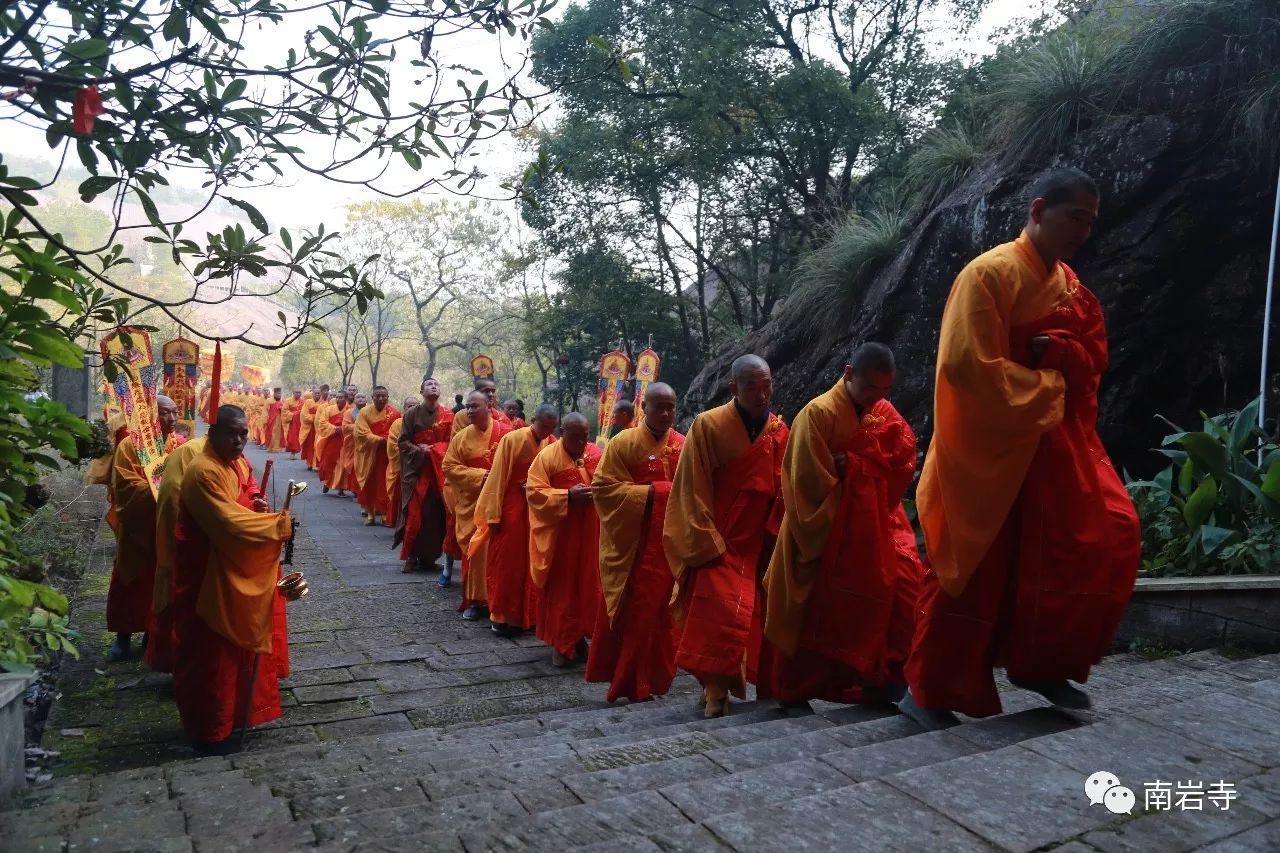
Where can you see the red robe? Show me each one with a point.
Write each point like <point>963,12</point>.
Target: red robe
<point>212,674</point>
<point>719,516</point>
<point>293,435</point>
<point>512,597</point>
<point>423,511</point>
<point>308,419</point>
<point>371,492</point>
<point>633,643</point>
<point>1047,597</point>
<point>564,547</point>
<point>839,553</point>
<point>331,450</point>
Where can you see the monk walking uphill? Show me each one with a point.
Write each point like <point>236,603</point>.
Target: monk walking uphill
<point>224,592</point>
<point>840,593</point>
<point>424,521</point>
<point>632,644</point>
<point>369,441</point>
<point>1033,540</point>
<point>716,530</point>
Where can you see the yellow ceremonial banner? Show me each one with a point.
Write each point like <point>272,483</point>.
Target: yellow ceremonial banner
<point>482,367</point>
<point>131,370</point>
<point>181,359</point>
<point>615,369</point>
<point>648,363</point>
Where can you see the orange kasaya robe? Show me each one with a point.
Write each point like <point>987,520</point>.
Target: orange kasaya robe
<point>840,602</point>
<point>465,466</point>
<point>369,457</point>
<point>345,472</point>
<point>633,645</point>
<point>564,547</point>
<point>274,428</point>
<point>134,571</point>
<point>329,441</point>
<point>307,431</point>
<point>225,601</point>
<point>512,597</point>
<point>392,482</point>
<point>719,516</point>
<point>424,521</point>
<point>161,642</point>
<point>1033,540</point>
<point>293,425</point>
<point>462,420</point>
<point>99,472</point>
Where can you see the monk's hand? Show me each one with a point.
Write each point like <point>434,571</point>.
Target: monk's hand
<point>260,504</point>
<point>841,460</point>
<point>580,493</point>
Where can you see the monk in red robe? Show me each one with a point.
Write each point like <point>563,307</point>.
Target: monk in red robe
<point>633,644</point>
<point>330,439</point>
<point>293,423</point>
<point>511,409</point>
<point>424,440</point>
<point>393,464</point>
<point>719,517</point>
<point>840,600</point>
<point>502,520</point>
<point>461,420</point>
<point>369,450</point>
<point>133,574</point>
<point>161,640</point>
<point>319,399</point>
<point>228,551</point>
<point>1033,540</point>
<point>466,467</point>
<point>564,540</point>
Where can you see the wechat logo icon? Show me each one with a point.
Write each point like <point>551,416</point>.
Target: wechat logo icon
<point>1103,788</point>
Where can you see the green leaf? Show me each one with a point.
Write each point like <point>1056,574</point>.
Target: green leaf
<point>1243,428</point>
<point>1271,482</point>
<point>95,186</point>
<point>86,49</point>
<point>259,221</point>
<point>234,90</point>
<point>1207,452</point>
<point>1212,538</point>
<point>1201,503</point>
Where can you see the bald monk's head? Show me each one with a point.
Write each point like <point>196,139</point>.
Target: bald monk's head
<point>751,384</point>
<point>166,414</point>
<point>478,409</point>
<point>410,402</point>
<point>380,397</point>
<point>624,413</point>
<point>489,387</point>
<point>545,421</point>
<point>869,375</point>
<point>1064,206</point>
<point>575,432</point>
<point>430,389</point>
<point>659,408</point>
<point>229,433</point>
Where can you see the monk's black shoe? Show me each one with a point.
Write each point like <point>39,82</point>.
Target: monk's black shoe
<point>1060,693</point>
<point>926,718</point>
<point>229,746</point>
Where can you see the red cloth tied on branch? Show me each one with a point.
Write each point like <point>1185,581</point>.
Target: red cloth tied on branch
<point>86,108</point>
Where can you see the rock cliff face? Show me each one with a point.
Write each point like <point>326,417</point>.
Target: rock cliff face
<point>1178,259</point>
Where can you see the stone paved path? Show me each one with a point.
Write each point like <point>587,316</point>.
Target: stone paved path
<point>409,729</point>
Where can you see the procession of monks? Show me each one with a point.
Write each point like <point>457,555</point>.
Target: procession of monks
<point>744,552</point>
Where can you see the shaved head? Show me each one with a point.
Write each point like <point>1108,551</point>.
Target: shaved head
<point>744,363</point>
<point>659,389</point>
<point>751,383</point>
<point>573,419</point>
<point>166,413</point>
<point>545,420</point>
<point>659,408</point>
<point>575,432</point>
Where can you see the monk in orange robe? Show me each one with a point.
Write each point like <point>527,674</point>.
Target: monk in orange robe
<point>293,423</point>
<point>393,464</point>
<point>274,426</point>
<point>225,592</point>
<point>465,466</point>
<point>564,540</point>
<point>623,416</point>
<point>133,574</point>
<point>633,644</point>
<point>1033,540</point>
<point>839,600</point>
<point>307,434</point>
<point>502,520</point>
<point>345,473</point>
<point>424,519</point>
<point>330,441</point>
<point>369,449</point>
<point>161,640</point>
<point>461,420</point>
<point>719,515</point>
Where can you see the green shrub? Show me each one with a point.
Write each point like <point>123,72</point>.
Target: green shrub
<point>1216,509</point>
<point>859,247</point>
<point>945,157</point>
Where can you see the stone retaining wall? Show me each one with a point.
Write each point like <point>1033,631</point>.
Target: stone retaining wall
<point>1204,613</point>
